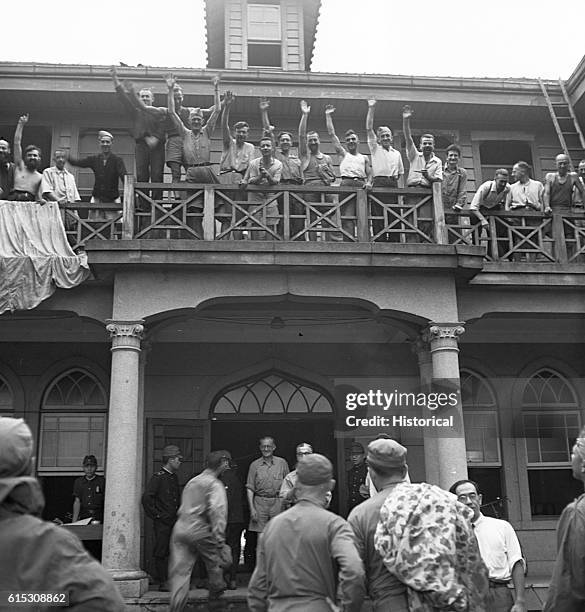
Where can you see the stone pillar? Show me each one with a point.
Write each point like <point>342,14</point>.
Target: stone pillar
<point>425,368</point>
<point>451,456</point>
<point>121,539</point>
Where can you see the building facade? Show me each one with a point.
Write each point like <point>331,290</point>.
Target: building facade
<point>212,341</point>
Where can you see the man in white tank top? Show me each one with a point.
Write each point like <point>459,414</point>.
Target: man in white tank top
<point>354,168</point>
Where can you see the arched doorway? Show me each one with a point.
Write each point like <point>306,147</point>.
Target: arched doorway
<point>278,404</point>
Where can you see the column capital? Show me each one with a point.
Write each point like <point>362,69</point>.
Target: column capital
<point>125,334</point>
<point>442,331</point>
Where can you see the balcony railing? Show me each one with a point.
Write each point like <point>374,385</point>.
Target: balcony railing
<point>333,214</point>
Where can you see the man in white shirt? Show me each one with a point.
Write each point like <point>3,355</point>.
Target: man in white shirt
<point>500,551</point>
<point>58,185</point>
<point>387,168</point>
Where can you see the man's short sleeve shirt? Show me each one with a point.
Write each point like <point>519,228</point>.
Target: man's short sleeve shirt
<point>265,476</point>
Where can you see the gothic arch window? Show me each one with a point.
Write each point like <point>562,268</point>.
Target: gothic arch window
<point>73,422</point>
<point>551,420</point>
<point>6,398</point>
<point>480,416</point>
<point>272,393</point>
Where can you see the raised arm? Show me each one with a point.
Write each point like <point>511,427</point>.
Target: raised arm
<point>171,81</point>
<point>267,129</point>
<point>411,149</point>
<point>124,95</point>
<point>339,149</point>
<point>370,122</point>
<point>225,120</point>
<point>18,139</point>
<point>216,110</point>
<point>305,110</point>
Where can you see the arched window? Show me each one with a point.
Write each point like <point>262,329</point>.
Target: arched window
<point>6,399</point>
<point>272,393</point>
<point>551,421</point>
<point>73,422</point>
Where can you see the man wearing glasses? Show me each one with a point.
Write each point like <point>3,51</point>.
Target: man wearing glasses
<point>500,551</point>
<point>287,490</point>
<point>160,502</point>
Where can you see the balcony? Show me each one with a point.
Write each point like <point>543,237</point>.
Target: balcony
<point>408,223</point>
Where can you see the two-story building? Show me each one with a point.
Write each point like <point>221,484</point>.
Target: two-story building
<point>212,340</point>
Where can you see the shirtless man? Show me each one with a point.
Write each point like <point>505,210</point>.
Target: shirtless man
<point>317,168</point>
<point>354,168</point>
<point>27,178</point>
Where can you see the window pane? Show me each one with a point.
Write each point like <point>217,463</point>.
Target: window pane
<point>549,436</point>
<point>481,437</point>
<point>264,55</point>
<point>264,22</point>
<point>490,485</point>
<point>551,491</point>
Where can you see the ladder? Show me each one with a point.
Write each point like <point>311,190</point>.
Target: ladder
<point>565,122</point>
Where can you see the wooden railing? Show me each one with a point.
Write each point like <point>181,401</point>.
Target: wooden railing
<point>332,214</point>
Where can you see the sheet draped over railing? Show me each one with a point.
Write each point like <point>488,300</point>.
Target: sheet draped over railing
<point>35,257</point>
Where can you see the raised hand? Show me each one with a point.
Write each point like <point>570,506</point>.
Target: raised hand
<point>371,103</point>
<point>23,119</point>
<point>407,112</point>
<point>305,108</point>
<point>215,81</point>
<point>113,71</point>
<point>329,109</point>
<point>229,98</point>
<point>264,103</point>
<point>170,80</point>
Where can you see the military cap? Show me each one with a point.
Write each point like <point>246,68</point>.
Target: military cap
<point>171,451</point>
<point>89,460</point>
<point>16,447</point>
<point>386,453</point>
<point>314,469</point>
<point>356,447</point>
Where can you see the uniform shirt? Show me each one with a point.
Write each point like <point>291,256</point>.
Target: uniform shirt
<point>203,508</point>
<point>529,193</point>
<point>454,187</point>
<point>418,163</point>
<point>385,162</point>
<point>162,496</point>
<point>353,166</point>
<point>61,183</point>
<point>499,546</point>
<point>291,167</point>
<point>487,197</point>
<point>306,555</point>
<point>356,477</point>
<point>108,174</point>
<point>363,520</point>
<point>234,490</point>
<point>265,476</point>
<point>287,490</point>
<point>91,496</point>
<point>237,158</point>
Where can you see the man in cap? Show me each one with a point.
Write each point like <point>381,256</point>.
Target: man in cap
<point>287,490</point>
<point>386,468</point>
<point>200,531</point>
<point>567,587</point>
<point>500,551</point>
<point>88,491</point>
<point>356,476</point>
<point>109,170</point>
<point>161,502</point>
<point>35,555</point>
<point>306,556</point>
<point>265,476</point>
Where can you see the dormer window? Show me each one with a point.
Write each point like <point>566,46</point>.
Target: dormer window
<point>264,35</point>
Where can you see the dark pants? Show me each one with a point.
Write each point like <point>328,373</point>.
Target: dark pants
<point>233,534</point>
<point>250,549</point>
<point>499,598</point>
<point>150,165</point>
<point>378,211</point>
<point>162,537</point>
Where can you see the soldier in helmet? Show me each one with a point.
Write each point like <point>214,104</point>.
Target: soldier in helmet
<point>160,502</point>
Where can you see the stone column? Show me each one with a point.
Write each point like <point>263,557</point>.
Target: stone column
<point>425,368</point>
<point>121,539</point>
<point>451,456</point>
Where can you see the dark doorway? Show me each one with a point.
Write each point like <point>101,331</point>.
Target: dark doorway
<point>242,437</point>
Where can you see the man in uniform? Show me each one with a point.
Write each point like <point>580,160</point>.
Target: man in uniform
<point>306,556</point>
<point>500,551</point>
<point>37,556</point>
<point>161,502</point>
<point>265,477</point>
<point>200,531</point>
<point>356,476</point>
<point>287,490</point>
<point>387,468</point>
<point>88,491</point>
